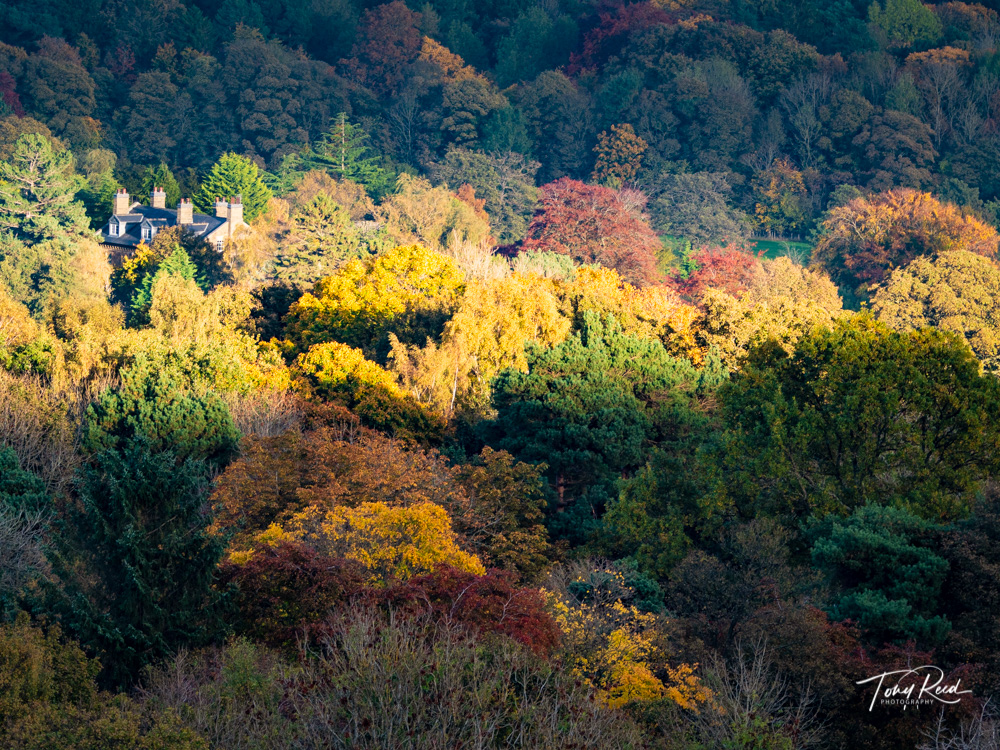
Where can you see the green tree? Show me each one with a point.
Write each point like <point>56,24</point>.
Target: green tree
<point>178,263</point>
<point>886,564</point>
<point>20,489</point>
<point>587,408</point>
<point>25,511</point>
<point>857,414</point>
<point>905,23</point>
<point>537,42</point>
<point>345,152</point>
<point>141,534</point>
<point>321,237</point>
<point>153,404</point>
<point>61,91</point>
<point>97,193</point>
<point>695,206</point>
<point>234,175</point>
<point>37,191</point>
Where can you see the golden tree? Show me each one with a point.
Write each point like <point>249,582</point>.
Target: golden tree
<point>409,291</point>
<point>784,301</point>
<point>494,321</point>
<point>619,156</point>
<point>389,542</point>
<point>958,292</point>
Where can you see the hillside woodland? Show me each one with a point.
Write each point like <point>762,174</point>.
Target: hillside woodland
<point>588,374</point>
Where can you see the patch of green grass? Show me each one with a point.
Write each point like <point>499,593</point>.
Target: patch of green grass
<point>800,251</point>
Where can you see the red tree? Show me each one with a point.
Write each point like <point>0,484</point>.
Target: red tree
<point>8,93</point>
<point>615,30</point>
<point>491,603</point>
<point>285,589</point>
<point>594,224</point>
<point>732,271</point>
<point>388,40</point>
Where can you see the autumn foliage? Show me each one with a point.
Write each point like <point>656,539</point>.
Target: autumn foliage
<point>594,224</point>
<point>864,240</point>
<point>286,587</point>
<point>489,603</point>
<point>729,270</point>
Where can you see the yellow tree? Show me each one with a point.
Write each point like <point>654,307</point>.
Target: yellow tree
<point>494,321</point>
<point>409,291</point>
<point>333,368</point>
<point>779,192</point>
<point>419,212</point>
<point>619,156</point>
<point>654,312</point>
<point>613,645</point>
<point>391,543</point>
<point>784,301</point>
<point>958,292</point>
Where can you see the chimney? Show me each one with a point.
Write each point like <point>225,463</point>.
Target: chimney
<point>221,208</point>
<point>235,214</point>
<point>122,202</point>
<point>185,212</point>
<point>158,198</point>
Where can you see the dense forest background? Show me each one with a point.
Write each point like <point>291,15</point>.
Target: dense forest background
<point>588,374</point>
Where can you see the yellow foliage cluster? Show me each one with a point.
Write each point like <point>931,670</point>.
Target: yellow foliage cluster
<point>941,56</point>
<point>16,324</point>
<point>784,302</point>
<point>494,321</point>
<point>389,542</point>
<point>654,312</point>
<point>334,367</point>
<point>201,333</point>
<point>618,650</point>
<point>451,66</point>
<point>957,292</point>
<point>490,320</point>
<point>419,212</point>
<point>619,156</point>
<point>364,297</point>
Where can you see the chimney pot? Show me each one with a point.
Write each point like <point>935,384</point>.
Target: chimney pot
<point>122,203</point>
<point>185,212</point>
<point>235,214</point>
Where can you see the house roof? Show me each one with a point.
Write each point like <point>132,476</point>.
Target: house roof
<point>161,218</point>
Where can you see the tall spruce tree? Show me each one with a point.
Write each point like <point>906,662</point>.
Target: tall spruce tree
<point>234,175</point>
<point>320,239</point>
<point>345,152</point>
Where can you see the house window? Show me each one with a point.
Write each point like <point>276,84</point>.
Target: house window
<point>113,228</point>
<point>220,245</point>
<point>147,233</point>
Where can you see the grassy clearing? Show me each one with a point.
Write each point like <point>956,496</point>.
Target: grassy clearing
<point>776,248</point>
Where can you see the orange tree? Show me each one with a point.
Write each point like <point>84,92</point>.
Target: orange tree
<point>866,239</point>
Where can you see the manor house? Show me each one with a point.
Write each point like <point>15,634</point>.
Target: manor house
<point>131,222</point>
